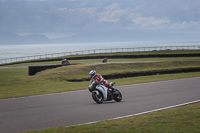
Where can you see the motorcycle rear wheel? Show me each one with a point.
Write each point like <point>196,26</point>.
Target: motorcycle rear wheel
<point>117,95</point>
<point>97,98</point>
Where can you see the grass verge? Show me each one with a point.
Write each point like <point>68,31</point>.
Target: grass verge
<point>18,84</point>
<point>109,61</point>
<point>81,71</point>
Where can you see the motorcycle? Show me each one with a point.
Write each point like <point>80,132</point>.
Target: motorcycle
<point>65,62</point>
<point>104,60</point>
<point>101,93</point>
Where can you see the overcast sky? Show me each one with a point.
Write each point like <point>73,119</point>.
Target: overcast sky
<point>63,18</point>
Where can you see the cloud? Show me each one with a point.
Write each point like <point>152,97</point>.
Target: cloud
<point>135,20</point>
<point>113,6</point>
<point>65,17</point>
<point>148,21</point>
<point>73,18</point>
<point>50,35</point>
<point>111,16</point>
<point>185,27</point>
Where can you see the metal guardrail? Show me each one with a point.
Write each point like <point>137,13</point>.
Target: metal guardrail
<point>92,51</point>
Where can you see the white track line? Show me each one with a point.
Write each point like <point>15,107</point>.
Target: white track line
<point>143,112</point>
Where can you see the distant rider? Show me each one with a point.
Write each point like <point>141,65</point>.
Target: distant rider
<point>105,60</point>
<point>98,78</point>
<point>65,61</point>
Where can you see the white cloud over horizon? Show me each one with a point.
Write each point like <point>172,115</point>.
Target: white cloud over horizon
<point>63,18</point>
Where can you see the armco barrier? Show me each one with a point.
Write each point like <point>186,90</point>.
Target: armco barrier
<point>117,56</point>
<point>124,56</point>
<point>94,51</point>
<point>111,57</point>
<point>34,69</point>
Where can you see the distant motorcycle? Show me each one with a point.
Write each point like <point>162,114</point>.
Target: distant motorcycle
<point>65,61</point>
<point>104,60</point>
<point>101,93</point>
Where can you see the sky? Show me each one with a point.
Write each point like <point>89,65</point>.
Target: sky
<point>58,21</point>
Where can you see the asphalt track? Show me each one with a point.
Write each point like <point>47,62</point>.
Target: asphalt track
<point>18,115</point>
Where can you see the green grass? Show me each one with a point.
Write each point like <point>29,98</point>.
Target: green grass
<point>17,83</point>
<point>81,71</point>
<point>109,61</point>
<point>183,119</point>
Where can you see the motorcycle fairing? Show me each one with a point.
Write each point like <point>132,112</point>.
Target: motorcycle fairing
<point>116,93</point>
<point>103,89</point>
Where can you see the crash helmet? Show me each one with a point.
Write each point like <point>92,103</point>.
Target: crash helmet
<point>92,73</point>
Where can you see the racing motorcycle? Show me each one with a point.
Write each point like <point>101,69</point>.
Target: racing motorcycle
<point>101,93</point>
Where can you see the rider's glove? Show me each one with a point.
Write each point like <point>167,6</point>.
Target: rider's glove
<point>111,84</point>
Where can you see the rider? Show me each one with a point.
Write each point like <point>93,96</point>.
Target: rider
<point>98,78</point>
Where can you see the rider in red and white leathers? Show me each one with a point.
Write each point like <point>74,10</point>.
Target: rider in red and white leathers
<point>98,78</point>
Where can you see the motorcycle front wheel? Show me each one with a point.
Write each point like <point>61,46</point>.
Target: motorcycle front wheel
<point>117,95</point>
<point>98,98</point>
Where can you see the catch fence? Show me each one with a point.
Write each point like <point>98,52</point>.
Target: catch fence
<point>93,51</point>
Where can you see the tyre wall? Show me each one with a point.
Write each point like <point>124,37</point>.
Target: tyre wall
<point>143,73</point>
<point>32,70</point>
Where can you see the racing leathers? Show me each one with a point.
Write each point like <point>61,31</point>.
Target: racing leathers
<point>98,78</point>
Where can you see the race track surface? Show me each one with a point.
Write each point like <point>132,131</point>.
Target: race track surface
<point>18,115</point>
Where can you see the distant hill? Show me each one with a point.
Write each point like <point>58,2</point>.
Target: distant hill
<point>97,36</point>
